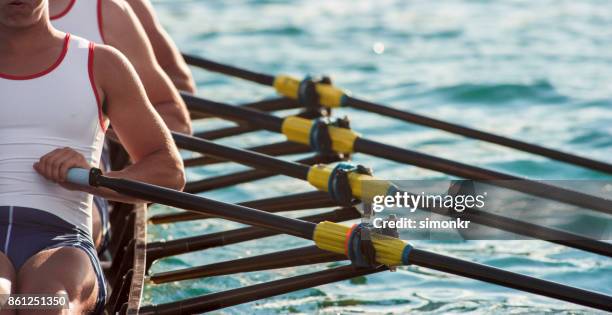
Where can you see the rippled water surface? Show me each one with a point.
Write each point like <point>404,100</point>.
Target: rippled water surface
<point>535,70</point>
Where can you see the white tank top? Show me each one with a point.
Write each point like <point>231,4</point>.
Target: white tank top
<point>82,18</point>
<point>53,109</point>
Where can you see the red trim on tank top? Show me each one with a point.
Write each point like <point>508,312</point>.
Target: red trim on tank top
<point>100,21</point>
<point>90,68</point>
<point>44,72</point>
<point>63,13</point>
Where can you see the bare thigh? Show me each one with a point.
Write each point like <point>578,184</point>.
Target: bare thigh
<point>7,282</point>
<point>65,270</point>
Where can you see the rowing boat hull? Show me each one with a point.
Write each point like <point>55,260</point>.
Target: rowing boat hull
<point>126,258</point>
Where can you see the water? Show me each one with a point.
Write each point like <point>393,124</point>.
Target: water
<point>535,70</point>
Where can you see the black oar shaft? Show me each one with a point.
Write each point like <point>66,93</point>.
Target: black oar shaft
<point>268,105</point>
<point>236,178</point>
<point>275,104</point>
<point>244,157</point>
<point>283,259</point>
<point>225,132</point>
<point>300,201</point>
<point>273,149</point>
<point>531,187</point>
<point>243,127</point>
<point>226,180</point>
<point>234,113</point>
<point>253,76</point>
<point>477,134</point>
<point>162,249</point>
<point>158,250</point>
<point>203,205</point>
<point>511,280</point>
<point>233,297</point>
<point>532,230</point>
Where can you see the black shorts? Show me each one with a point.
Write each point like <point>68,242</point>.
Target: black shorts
<point>25,232</point>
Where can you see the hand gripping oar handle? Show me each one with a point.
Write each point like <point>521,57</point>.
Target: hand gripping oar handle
<point>84,177</point>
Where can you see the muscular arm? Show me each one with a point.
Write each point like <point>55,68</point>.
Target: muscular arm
<point>123,31</point>
<point>139,128</point>
<point>165,50</point>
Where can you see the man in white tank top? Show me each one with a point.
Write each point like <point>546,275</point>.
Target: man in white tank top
<point>113,22</point>
<point>58,94</point>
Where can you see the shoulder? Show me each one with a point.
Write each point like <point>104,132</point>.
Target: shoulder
<point>108,55</point>
<point>139,5</point>
<point>112,7</point>
<point>121,24</point>
<point>137,2</point>
<point>116,13</point>
<point>103,55</point>
<point>144,11</point>
<point>110,64</point>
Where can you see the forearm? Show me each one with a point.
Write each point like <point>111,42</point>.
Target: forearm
<point>181,77</point>
<point>175,115</point>
<point>156,169</point>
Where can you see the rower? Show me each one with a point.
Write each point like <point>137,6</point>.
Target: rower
<point>113,22</point>
<point>166,52</point>
<point>59,93</point>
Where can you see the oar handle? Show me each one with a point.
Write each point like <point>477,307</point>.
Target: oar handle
<point>79,176</point>
<point>84,177</point>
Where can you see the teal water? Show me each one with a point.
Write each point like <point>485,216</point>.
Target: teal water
<point>534,70</point>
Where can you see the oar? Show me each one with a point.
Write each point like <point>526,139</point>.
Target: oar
<point>363,186</point>
<point>241,128</point>
<point>331,96</point>
<point>332,237</point>
<point>226,132</point>
<point>269,105</point>
<point>257,77</point>
<point>219,300</point>
<point>275,149</point>
<point>167,248</point>
<point>292,202</point>
<point>283,259</point>
<point>264,106</point>
<point>346,141</point>
<point>236,178</point>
